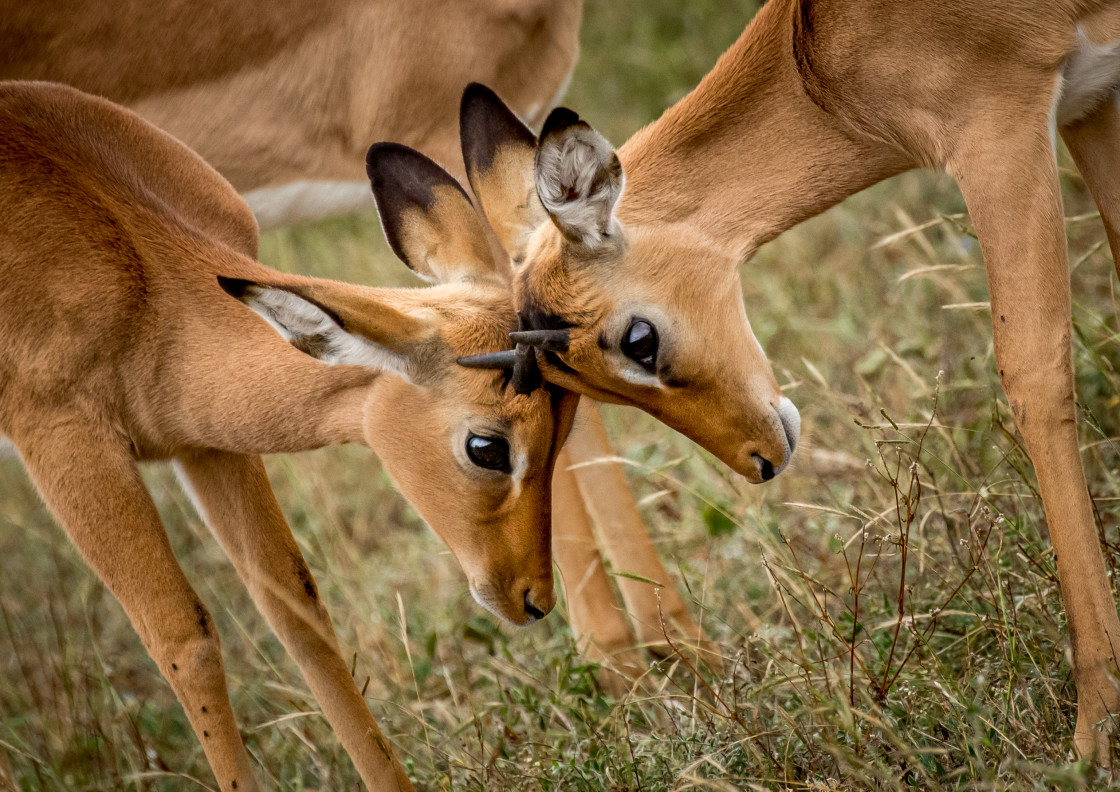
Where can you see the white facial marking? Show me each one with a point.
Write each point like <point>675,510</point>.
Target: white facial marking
<point>1091,74</point>
<point>519,467</point>
<point>302,323</point>
<point>791,421</point>
<point>639,377</point>
<point>490,600</point>
<point>307,200</point>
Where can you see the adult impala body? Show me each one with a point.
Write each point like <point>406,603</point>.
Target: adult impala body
<point>817,100</point>
<point>283,98</point>
<point>121,340</point>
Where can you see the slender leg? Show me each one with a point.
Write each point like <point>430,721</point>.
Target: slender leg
<point>93,488</point>
<point>601,629</point>
<point>626,541</point>
<point>234,497</point>
<point>1010,182</point>
<point>1094,142</point>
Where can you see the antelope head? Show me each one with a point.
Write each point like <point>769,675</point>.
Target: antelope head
<point>639,313</point>
<point>471,449</point>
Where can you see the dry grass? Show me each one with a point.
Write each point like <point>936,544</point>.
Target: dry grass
<point>887,610</point>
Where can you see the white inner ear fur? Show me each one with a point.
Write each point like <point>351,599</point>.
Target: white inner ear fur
<point>306,327</point>
<point>572,186</point>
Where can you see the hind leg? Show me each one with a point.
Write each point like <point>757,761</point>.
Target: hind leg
<point>1094,142</point>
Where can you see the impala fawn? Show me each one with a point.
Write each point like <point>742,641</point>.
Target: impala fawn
<point>136,325</point>
<point>282,98</point>
<point>816,101</point>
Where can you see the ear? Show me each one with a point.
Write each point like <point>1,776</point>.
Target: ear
<point>499,151</point>
<point>428,218</point>
<point>579,178</point>
<point>336,323</point>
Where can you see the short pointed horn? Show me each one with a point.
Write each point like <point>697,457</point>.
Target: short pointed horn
<point>548,340</point>
<point>506,359</point>
<point>526,375</point>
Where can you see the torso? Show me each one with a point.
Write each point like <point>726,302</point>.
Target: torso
<point>273,93</point>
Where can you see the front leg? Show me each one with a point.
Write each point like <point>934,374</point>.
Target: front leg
<point>90,483</point>
<point>1010,182</point>
<point>599,625</point>
<point>607,497</point>
<point>235,499</point>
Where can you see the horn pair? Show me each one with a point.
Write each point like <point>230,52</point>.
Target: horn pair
<point>521,360</point>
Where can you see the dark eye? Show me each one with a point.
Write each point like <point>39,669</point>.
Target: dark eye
<point>488,452</point>
<point>639,343</point>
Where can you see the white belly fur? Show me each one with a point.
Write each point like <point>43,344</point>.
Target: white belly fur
<point>308,200</point>
<point>1091,73</point>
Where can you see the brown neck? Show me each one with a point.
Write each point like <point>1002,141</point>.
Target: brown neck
<point>282,402</point>
<point>747,154</point>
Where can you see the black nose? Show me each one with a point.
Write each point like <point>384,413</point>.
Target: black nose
<point>533,611</point>
<point>764,467</point>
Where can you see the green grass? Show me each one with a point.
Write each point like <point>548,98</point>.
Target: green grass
<point>909,448</point>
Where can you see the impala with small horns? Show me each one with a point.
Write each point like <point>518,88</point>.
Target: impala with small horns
<point>136,324</point>
<point>282,97</point>
<point>622,312</point>
<point>817,100</point>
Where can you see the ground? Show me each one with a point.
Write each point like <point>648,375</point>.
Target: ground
<point>911,492</point>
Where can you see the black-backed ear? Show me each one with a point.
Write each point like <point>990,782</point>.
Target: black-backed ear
<point>578,177</point>
<point>336,323</point>
<point>428,219</point>
<point>499,151</point>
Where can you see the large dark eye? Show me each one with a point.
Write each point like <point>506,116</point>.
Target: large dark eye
<point>639,343</point>
<point>488,452</point>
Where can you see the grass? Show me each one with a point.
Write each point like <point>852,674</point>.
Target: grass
<point>887,610</point>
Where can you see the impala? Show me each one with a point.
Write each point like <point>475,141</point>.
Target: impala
<point>135,324</point>
<point>816,101</point>
<point>283,98</point>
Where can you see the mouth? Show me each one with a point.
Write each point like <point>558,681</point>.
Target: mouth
<point>520,613</point>
<point>790,420</point>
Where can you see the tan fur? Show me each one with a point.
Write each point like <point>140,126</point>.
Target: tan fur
<point>289,95</point>
<point>117,345</point>
<point>271,93</point>
<point>580,267</point>
<point>817,100</point>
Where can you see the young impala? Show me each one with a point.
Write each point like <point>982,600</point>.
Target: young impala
<point>135,325</point>
<point>283,97</point>
<point>818,99</point>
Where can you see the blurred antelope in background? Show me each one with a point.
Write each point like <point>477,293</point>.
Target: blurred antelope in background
<point>816,101</point>
<point>135,325</point>
<point>283,99</point>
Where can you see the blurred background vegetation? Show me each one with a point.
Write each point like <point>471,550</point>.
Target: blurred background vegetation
<point>875,318</point>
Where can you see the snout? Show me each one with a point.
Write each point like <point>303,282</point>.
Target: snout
<point>521,602</point>
<point>773,457</point>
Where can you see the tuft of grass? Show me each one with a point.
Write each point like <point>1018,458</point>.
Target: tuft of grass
<point>887,610</point>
